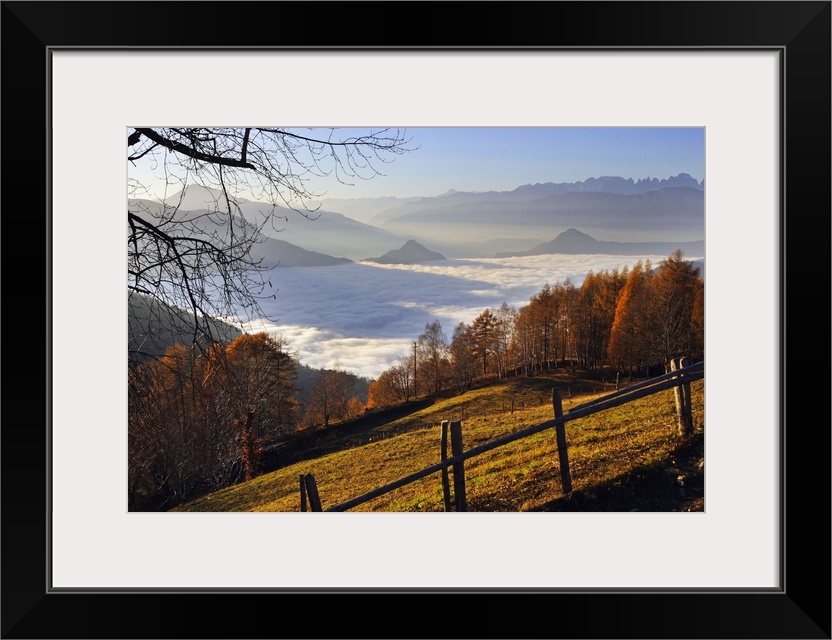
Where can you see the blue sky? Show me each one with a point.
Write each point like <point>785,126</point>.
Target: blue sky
<point>500,159</point>
<point>503,158</point>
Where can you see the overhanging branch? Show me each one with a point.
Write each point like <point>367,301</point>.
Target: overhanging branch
<point>193,153</point>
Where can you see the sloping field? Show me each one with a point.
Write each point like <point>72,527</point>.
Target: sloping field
<point>623,459</point>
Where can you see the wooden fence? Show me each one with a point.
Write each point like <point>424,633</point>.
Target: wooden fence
<point>679,379</point>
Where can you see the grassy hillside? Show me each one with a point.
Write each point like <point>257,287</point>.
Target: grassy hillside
<point>624,459</point>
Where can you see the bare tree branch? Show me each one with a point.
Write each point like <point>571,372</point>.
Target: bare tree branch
<point>196,263</point>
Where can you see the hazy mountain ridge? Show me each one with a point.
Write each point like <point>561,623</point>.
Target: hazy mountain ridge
<point>361,209</point>
<point>485,249</point>
<point>614,185</point>
<point>153,326</point>
<point>570,205</point>
<point>663,214</point>
<point>609,207</point>
<point>573,242</point>
<point>281,254</point>
<point>324,232</point>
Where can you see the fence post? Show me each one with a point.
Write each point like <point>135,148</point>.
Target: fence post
<point>687,403</point>
<point>682,395</point>
<point>677,396</point>
<point>563,454</point>
<point>302,493</point>
<point>446,485</point>
<point>312,491</point>
<point>459,467</point>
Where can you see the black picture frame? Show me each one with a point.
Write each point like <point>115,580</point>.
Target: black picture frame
<point>800,31</point>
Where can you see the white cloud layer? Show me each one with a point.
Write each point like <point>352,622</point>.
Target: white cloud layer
<point>365,315</point>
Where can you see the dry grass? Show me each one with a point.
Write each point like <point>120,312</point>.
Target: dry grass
<point>623,459</point>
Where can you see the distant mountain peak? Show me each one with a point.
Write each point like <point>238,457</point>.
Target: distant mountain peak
<point>411,252</point>
<point>574,234</point>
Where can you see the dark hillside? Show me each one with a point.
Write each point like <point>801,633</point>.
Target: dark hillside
<point>153,326</point>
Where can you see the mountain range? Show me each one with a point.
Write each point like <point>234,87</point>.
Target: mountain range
<point>460,224</point>
<point>662,214</point>
<point>573,242</point>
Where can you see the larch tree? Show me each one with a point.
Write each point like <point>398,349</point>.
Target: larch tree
<point>484,332</point>
<point>506,319</point>
<point>197,420</point>
<point>433,350</point>
<point>670,310</point>
<point>463,356</point>
<point>168,447</point>
<point>628,335</point>
<point>258,377</point>
<point>330,397</point>
<point>523,343</point>
<point>698,321</point>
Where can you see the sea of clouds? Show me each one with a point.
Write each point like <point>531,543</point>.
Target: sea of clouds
<point>364,316</point>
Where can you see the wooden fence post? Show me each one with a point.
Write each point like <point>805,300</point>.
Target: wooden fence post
<point>446,485</point>
<point>459,467</point>
<point>687,403</point>
<point>682,395</point>
<point>677,396</point>
<point>302,493</point>
<point>312,492</point>
<point>563,454</point>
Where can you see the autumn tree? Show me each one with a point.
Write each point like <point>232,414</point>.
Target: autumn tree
<point>506,317</point>
<point>330,397</point>
<point>253,379</point>
<point>402,371</point>
<point>543,322</point>
<point>670,310</point>
<point>484,334</point>
<point>167,445</point>
<point>659,315</point>
<point>433,354</point>
<point>594,314</point>
<point>462,352</point>
<point>197,259</point>
<point>197,420</point>
<point>628,335</point>
<point>259,379</point>
<point>698,322</point>
<point>523,339</point>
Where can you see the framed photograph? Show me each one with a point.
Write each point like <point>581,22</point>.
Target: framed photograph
<point>753,77</point>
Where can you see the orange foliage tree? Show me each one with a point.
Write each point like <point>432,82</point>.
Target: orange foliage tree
<point>670,310</point>
<point>197,421</point>
<point>628,335</point>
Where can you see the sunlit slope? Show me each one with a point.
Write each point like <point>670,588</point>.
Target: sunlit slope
<point>624,459</point>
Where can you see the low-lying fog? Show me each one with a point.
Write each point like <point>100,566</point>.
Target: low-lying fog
<point>363,316</point>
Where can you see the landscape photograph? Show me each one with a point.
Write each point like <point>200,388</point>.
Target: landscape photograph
<point>415,319</point>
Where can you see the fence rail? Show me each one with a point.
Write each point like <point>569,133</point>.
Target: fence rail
<point>680,377</point>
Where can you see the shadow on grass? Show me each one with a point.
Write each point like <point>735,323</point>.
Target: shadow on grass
<point>675,484</point>
<point>308,445</point>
